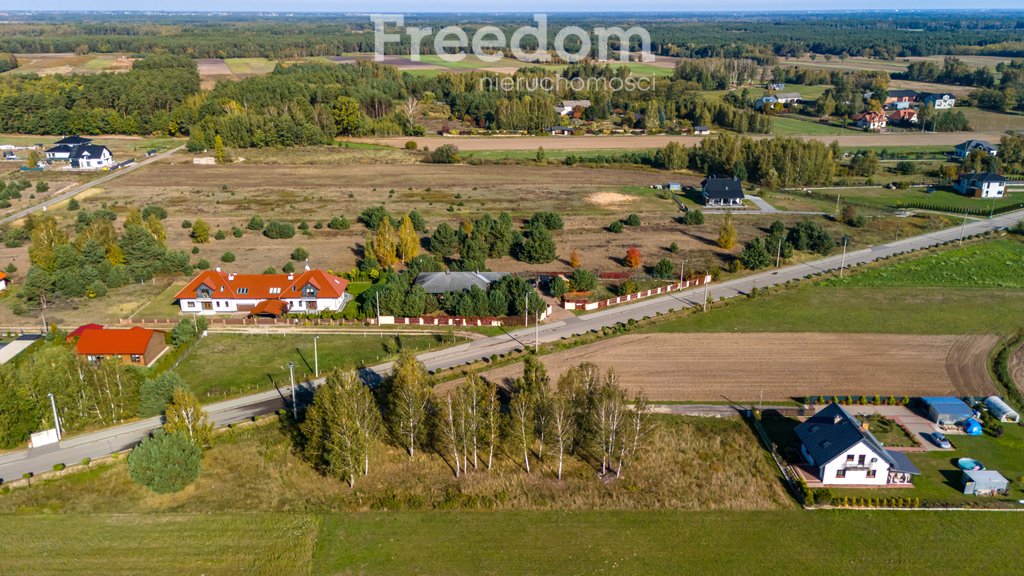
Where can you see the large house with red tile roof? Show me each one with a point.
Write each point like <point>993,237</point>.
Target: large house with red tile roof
<point>137,346</point>
<point>219,292</point>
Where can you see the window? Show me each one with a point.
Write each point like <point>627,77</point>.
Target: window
<point>275,290</point>
<point>243,291</point>
<point>841,473</point>
<point>861,460</point>
<point>871,473</point>
<point>190,304</point>
<point>849,458</point>
<point>136,358</point>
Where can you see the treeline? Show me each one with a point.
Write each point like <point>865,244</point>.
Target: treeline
<point>762,38</point>
<point>953,71</point>
<point>716,73</point>
<point>97,258</point>
<point>145,100</point>
<point>587,416</point>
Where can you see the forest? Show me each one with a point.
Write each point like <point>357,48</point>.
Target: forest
<point>760,37</point>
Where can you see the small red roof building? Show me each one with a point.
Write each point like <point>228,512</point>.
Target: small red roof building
<point>137,346</point>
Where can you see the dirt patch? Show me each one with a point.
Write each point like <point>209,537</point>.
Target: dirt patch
<point>742,367</point>
<point>609,199</point>
<point>1017,367</point>
<point>967,365</point>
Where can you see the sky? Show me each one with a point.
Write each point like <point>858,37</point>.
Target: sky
<point>590,6</point>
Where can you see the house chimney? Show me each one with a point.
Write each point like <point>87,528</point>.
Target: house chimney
<point>307,265</point>
<point>291,276</point>
<point>231,277</point>
<point>218,268</point>
<point>838,419</point>
<point>864,425</point>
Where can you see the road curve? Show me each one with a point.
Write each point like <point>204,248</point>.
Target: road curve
<point>90,184</point>
<point>104,442</point>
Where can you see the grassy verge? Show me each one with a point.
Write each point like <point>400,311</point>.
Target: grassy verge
<point>228,364</point>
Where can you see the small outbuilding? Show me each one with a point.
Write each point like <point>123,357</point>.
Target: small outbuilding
<point>984,482</point>
<point>946,410</point>
<point>1001,410</point>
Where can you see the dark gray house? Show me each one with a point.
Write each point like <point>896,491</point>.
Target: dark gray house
<point>722,192</point>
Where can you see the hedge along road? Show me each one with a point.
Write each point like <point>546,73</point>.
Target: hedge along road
<point>101,443</point>
<point>90,184</point>
<point>576,143</point>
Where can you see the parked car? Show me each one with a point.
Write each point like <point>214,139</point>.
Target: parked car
<point>940,440</point>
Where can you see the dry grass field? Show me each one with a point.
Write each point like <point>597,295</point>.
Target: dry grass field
<point>68,63</point>
<point>1017,367</point>
<point>740,367</point>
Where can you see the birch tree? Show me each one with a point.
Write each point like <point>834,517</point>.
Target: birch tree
<point>184,415</point>
<point>342,426</point>
<point>450,430</point>
<point>521,415</point>
<point>636,430</point>
<point>407,397</point>
<point>490,421</point>
<point>562,424</point>
<point>608,413</point>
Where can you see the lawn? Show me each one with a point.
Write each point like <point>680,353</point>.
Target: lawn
<point>515,542</point>
<point>250,66</point>
<point>940,199</point>
<point>792,125</point>
<point>993,264</point>
<point>228,364</point>
<point>928,310</point>
<point>888,432</point>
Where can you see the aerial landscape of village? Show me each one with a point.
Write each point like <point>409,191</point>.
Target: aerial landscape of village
<point>579,289</point>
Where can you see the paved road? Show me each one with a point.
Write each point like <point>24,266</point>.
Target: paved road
<point>96,444</point>
<point>90,184</point>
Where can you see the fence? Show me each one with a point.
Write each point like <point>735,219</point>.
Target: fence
<point>455,321</point>
<point>574,304</point>
<point>460,321</point>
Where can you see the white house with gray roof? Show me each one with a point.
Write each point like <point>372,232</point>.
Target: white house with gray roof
<point>842,451</point>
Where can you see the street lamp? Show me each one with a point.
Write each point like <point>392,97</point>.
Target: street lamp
<point>56,420</point>
<point>316,357</point>
<point>291,376</point>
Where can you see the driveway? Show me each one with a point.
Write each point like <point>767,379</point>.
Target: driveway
<point>762,204</point>
<point>920,428</point>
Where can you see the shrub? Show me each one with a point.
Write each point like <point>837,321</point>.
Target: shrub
<point>255,223</point>
<point>227,257</point>
<point>42,186</point>
<point>164,463</point>
<point>58,467</point>
<point>186,224</point>
<point>73,205</point>
<point>693,218</point>
<point>549,220</point>
<point>153,209</point>
<point>663,269</point>
<point>237,232</point>
<point>300,254</point>
<point>446,154</point>
<point>615,227</point>
<point>338,223</point>
<point>410,145</point>
<point>277,230</point>
<point>583,280</point>
<point>288,268</point>
<point>203,264</point>
<point>632,220</point>
<point>155,393</point>
<point>220,235</point>
<point>86,461</point>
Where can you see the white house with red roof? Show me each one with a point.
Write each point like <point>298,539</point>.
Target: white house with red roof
<point>219,292</point>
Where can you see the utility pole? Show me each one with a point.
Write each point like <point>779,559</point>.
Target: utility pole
<point>682,273</point>
<point>291,376</point>
<point>56,419</point>
<point>316,357</point>
<point>778,254</point>
<point>897,232</point>
<point>838,196</point>
<point>842,266</point>
<point>526,310</point>
<point>963,229</point>
<point>380,330</point>
<point>706,287</point>
<point>536,328</point>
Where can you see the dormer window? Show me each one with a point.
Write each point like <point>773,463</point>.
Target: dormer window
<point>243,291</point>
<point>275,290</point>
<point>309,291</point>
<point>204,291</point>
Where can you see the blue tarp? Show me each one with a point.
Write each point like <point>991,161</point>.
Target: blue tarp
<point>972,427</point>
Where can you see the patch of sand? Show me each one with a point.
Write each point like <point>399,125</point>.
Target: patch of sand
<point>609,199</point>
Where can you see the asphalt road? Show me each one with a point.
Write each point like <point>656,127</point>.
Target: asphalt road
<point>104,442</point>
<point>90,184</point>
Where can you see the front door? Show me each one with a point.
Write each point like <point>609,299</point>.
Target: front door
<point>311,305</point>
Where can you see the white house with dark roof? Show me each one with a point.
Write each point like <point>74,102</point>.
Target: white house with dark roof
<point>940,101</point>
<point>963,150</point>
<point>80,153</point>
<point>982,185</point>
<point>842,451</point>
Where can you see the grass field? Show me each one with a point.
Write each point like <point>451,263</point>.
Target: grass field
<point>927,310</point>
<point>226,364</point>
<point>250,66</point>
<point>993,264</point>
<point>471,543</point>
<point>939,199</point>
<point>989,121</point>
<point>792,125</point>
